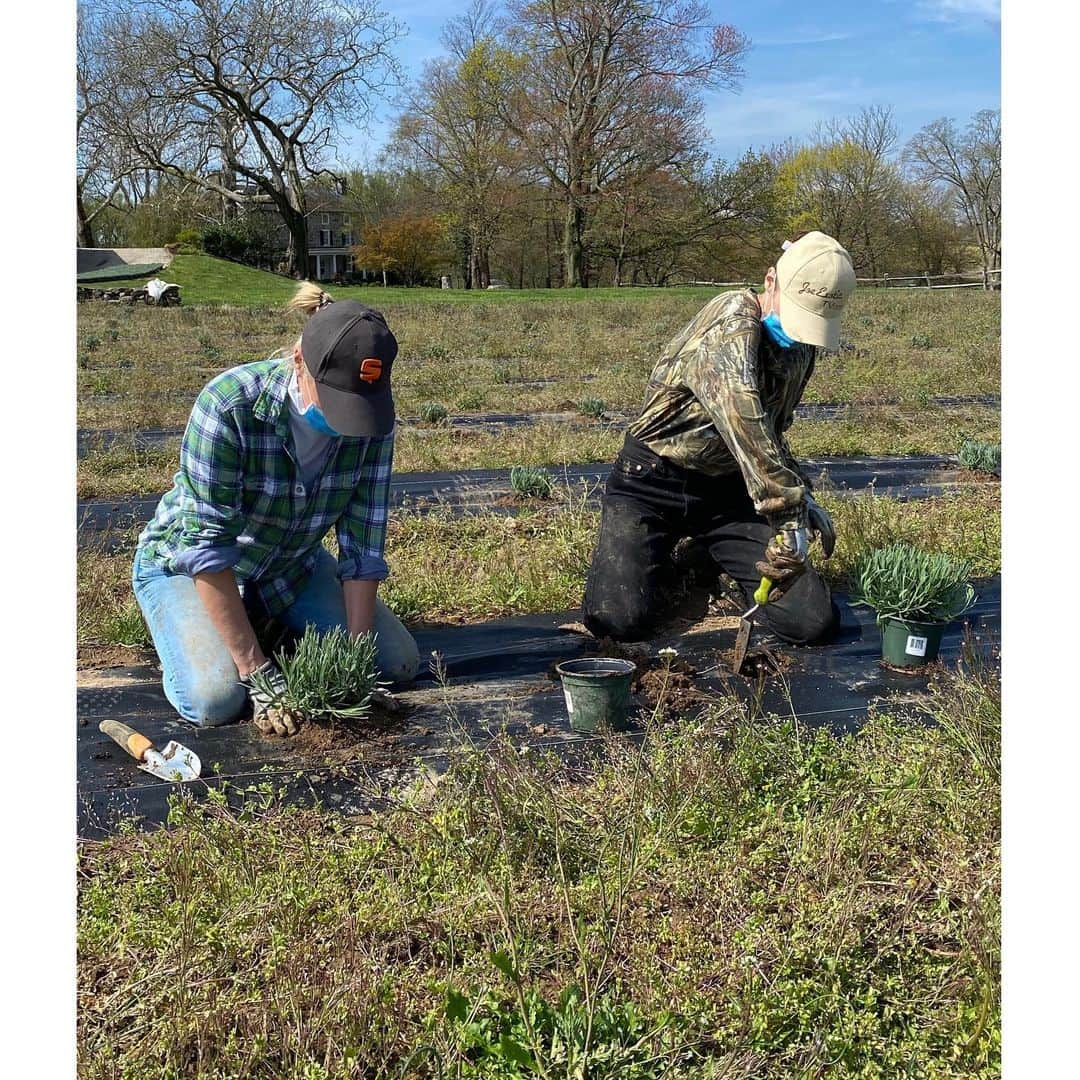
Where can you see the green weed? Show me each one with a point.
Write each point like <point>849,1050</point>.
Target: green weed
<point>735,895</point>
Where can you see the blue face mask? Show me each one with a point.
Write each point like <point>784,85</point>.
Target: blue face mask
<point>771,322</point>
<point>314,416</point>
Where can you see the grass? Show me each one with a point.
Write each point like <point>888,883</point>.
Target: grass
<point>209,281</point>
<point>529,356</point>
<point>467,569</point>
<point>122,469</point>
<point>737,896</point>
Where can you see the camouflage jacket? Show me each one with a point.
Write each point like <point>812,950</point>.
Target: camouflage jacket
<point>721,398</point>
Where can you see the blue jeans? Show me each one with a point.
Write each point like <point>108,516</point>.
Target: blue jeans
<point>199,677</point>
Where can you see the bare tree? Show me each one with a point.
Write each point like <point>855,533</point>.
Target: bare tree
<point>450,132</point>
<point>244,97</point>
<point>846,183</point>
<point>100,166</point>
<point>604,90</point>
<point>970,164</point>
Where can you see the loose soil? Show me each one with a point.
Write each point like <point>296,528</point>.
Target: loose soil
<point>665,685</point>
<point>373,740</point>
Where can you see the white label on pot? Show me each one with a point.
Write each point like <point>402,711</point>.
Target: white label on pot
<point>916,646</point>
<point>569,702</point>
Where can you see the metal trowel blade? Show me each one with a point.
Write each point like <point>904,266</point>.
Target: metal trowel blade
<point>175,763</point>
<point>742,640</point>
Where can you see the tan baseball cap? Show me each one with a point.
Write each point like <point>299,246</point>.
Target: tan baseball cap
<point>815,278</point>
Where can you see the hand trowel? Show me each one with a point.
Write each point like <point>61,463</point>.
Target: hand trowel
<point>174,763</point>
<point>746,625</point>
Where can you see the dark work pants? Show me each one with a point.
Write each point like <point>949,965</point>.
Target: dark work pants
<point>649,506</point>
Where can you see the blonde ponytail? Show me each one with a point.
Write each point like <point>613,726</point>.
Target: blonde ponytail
<point>309,298</point>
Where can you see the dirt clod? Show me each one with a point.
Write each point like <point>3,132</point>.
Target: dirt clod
<point>667,685</point>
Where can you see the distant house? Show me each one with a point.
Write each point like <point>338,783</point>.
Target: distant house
<point>331,235</point>
<point>332,225</point>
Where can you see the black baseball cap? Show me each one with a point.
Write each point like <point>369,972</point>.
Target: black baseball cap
<point>349,350</point>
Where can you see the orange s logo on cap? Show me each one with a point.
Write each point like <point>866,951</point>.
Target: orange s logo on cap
<point>370,369</point>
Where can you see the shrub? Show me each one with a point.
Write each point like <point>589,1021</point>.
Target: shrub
<point>432,412</point>
<point>904,582</point>
<point>921,341</point>
<point>188,241</point>
<point>531,482</point>
<point>246,241</point>
<point>592,406</point>
<point>330,675</point>
<point>981,456</point>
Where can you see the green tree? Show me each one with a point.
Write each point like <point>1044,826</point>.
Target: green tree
<point>411,246</point>
<point>450,132</point>
<point>845,183</point>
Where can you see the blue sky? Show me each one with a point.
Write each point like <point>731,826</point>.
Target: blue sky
<point>808,62</point>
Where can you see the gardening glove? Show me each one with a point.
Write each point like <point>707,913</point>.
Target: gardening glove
<point>785,557</point>
<point>821,524</point>
<point>266,687</point>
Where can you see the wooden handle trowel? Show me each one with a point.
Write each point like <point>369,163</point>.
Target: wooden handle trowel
<point>746,625</point>
<point>175,763</point>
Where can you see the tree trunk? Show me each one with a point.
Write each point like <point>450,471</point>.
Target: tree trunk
<point>296,253</point>
<point>86,229</point>
<point>572,247</point>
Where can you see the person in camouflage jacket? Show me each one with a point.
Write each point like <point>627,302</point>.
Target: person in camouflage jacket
<point>707,458</point>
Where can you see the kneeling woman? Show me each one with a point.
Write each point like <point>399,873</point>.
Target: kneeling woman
<point>707,458</point>
<point>276,453</point>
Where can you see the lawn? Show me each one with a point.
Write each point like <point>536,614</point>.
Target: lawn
<point>206,280</point>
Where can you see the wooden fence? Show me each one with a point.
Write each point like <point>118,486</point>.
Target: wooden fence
<point>987,279</point>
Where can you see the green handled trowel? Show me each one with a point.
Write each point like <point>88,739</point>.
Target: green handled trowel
<point>746,624</point>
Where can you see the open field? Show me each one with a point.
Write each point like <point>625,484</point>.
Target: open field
<point>466,569</point>
<point>142,367</point>
<point>736,897</point>
<point>125,468</point>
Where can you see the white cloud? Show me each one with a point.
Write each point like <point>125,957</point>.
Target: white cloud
<point>951,10</point>
<point>801,39</point>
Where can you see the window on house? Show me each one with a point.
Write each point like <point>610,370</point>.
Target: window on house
<point>324,238</point>
<point>325,220</point>
<point>346,239</point>
<point>346,220</point>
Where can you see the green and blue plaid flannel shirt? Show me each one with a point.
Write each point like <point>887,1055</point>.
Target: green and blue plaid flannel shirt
<point>239,498</point>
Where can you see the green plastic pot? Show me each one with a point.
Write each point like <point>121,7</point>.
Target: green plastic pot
<point>597,692</point>
<point>909,644</point>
